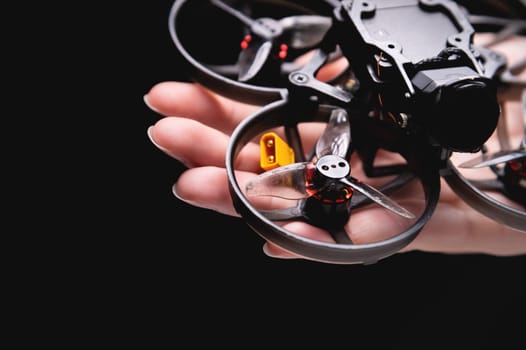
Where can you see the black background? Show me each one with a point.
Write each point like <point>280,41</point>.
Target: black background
<point>178,273</point>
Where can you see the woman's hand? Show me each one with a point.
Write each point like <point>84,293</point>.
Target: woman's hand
<point>195,127</point>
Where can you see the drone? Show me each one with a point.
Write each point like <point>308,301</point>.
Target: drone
<point>414,91</point>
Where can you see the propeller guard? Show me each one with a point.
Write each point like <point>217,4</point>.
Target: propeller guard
<point>271,116</point>
<point>185,14</point>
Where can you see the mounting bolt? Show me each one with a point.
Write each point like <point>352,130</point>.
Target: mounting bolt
<point>299,78</point>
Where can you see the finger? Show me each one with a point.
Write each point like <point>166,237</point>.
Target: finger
<point>512,48</point>
<point>193,101</point>
<point>207,187</point>
<point>302,229</point>
<point>275,251</point>
<point>329,70</point>
<point>332,69</point>
<point>460,229</point>
<point>195,144</point>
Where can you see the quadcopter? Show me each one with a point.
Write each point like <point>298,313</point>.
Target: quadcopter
<point>360,155</point>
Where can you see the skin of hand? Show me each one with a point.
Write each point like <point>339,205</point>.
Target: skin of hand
<point>194,128</point>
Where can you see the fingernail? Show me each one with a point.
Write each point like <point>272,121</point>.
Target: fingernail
<point>267,252</point>
<point>150,136</point>
<point>148,104</point>
<point>174,191</point>
<point>149,133</point>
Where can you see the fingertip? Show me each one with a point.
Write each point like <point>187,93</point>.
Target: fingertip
<point>178,196</point>
<point>272,252</point>
<point>267,251</point>
<point>148,103</point>
<point>149,132</point>
<point>174,192</point>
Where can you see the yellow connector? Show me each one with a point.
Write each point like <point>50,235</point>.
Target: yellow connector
<point>274,151</point>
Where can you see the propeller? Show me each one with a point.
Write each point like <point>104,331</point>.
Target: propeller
<point>327,178</point>
<point>267,36</point>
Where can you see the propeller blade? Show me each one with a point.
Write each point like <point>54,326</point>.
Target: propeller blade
<point>503,135</point>
<point>252,59</point>
<point>306,30</point>
<point>336,137</point>
<point>497,158</point>
<point>284,214</point>
<point>377,197</point>
<point>286,182</point>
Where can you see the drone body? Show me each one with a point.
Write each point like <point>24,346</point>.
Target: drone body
<point>414,86</point>
<point>419,60</point>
